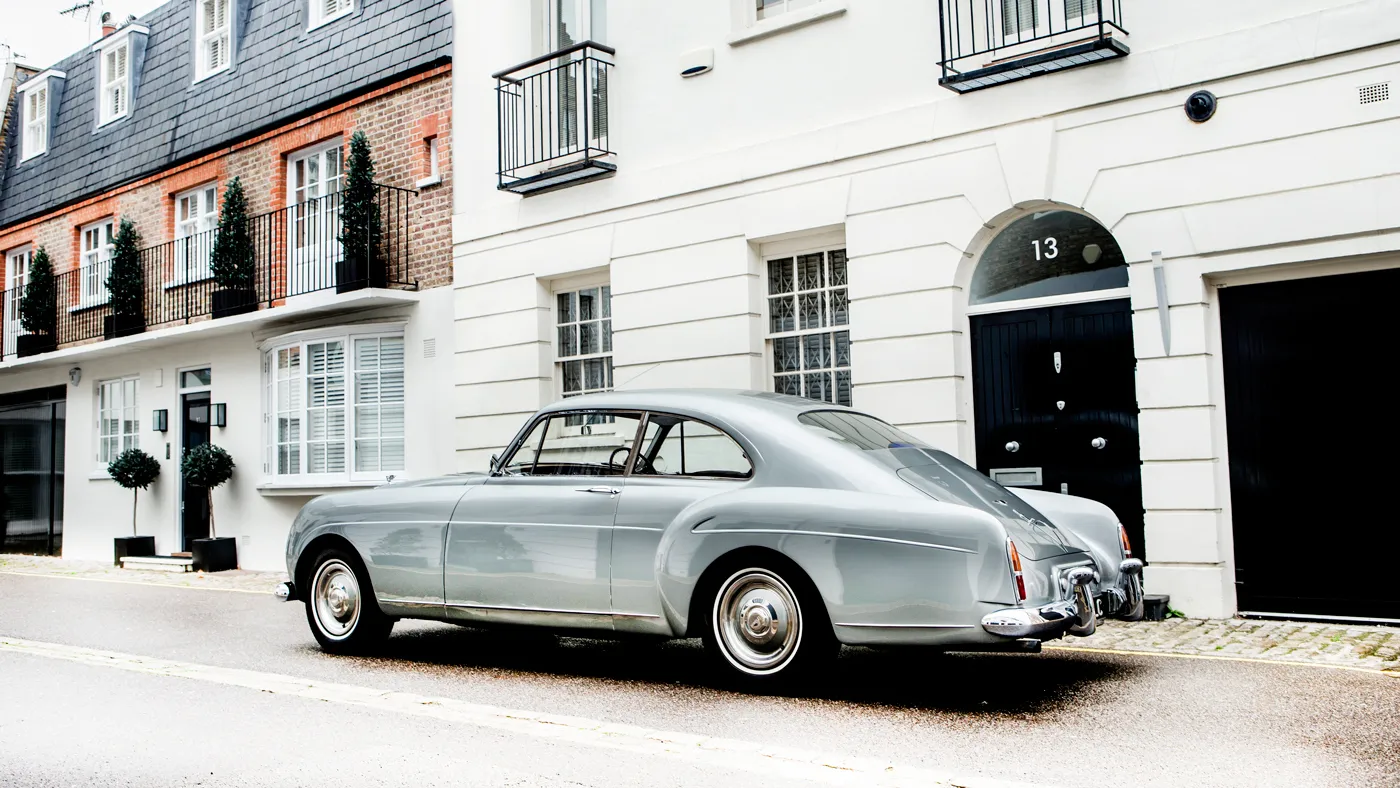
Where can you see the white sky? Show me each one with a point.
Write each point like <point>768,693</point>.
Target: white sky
<point>40,36</point>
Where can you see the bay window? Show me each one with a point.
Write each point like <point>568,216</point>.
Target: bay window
<point>334,407</point>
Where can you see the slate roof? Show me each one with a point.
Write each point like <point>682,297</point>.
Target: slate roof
<point>281,71</point>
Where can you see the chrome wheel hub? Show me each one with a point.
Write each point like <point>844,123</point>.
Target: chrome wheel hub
<point>335,595</point>
<point>757,621</point>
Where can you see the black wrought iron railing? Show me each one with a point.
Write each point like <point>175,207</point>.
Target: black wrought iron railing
<point>1012,28</point>
<point>552,112</point>
<point>296,250</point>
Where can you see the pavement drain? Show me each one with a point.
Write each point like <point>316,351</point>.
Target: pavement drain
<point>1366,647</point>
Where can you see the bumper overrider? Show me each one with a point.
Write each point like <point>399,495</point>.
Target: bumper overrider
<point>1079,612</point>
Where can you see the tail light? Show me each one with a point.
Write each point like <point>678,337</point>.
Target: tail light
<point>1020,581</point>
<point>1127,546</point>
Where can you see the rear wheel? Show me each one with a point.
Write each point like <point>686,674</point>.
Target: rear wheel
<point>767,625</point>
<point>340,606</point>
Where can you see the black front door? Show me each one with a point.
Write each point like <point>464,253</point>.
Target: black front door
<point>194,501</point>
<point>1311,425</point>
<point>1056,404</point>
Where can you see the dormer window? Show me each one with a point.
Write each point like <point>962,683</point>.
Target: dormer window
<point>213,45</point>
<point>323,11</point>
<point>116,81</point>
<point>36,121</point>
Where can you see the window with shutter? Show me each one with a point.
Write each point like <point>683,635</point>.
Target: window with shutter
<point>116,82</point>
<point>1019,16</point>
<point>323,11</point>
<point>36,122</point>
<point>334,408</point>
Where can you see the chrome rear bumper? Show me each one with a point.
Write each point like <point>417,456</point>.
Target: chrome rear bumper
<point>285,591</point>
<point>1076,614</point>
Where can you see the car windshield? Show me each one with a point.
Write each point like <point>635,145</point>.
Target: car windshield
<point>859,430</point>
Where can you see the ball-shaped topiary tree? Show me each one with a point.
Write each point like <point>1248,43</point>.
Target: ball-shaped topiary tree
<point>134,470</point>
<point>207,466</point>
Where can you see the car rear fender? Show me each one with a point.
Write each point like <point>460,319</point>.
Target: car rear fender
<point>900,560</point>
<point>1095,524</point>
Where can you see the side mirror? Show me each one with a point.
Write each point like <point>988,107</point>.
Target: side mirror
<point>495,463</point>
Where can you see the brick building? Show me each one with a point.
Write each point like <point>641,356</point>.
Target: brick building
<point>322,372</point>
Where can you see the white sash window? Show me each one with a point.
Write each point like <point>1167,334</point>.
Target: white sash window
<point>116,82</point>
<point>36,121</point>
<point>323,11</point>
<point>213,44</point>
<point>118,425</point>
<point>16,274</point>
<point>96,263</point>
<point>196,214</point>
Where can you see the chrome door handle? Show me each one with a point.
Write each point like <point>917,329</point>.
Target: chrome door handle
<point>1013,446</point>
<point>1098,443</point>
<point>600,490</point>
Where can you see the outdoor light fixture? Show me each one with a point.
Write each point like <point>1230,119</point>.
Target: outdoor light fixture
<point>219,415</point>
<point>160,420</point>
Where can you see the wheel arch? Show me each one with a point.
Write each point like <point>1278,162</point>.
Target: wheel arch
<point>315,547</point>
<point>729,562</point>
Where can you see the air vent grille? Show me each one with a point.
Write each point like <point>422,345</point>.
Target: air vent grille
<point>1370,94</point>
<point>430,348</point>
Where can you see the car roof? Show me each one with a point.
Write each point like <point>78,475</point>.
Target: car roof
<point>727,404</point>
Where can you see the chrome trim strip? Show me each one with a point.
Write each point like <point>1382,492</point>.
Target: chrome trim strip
<point>520,609</point>
<point>636,528</point>
<point>832,535</point>
<point>408,602</point>
<point>909,626</point>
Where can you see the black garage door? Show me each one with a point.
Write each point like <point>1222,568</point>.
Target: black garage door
<point>1310,401</point>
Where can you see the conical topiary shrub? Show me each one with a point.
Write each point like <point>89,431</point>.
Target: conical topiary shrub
<point>126,284</point>
<point>232,261</point>
<point>38,308</point>
<point>361,230</point>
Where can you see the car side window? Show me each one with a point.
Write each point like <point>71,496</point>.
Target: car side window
<point>676,446</point>
<point>595,443</point>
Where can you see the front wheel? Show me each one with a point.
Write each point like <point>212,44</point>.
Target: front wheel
<point>340,606</point>
<point>767,625</point>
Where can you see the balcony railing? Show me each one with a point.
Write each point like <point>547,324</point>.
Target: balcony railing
<point>992,42</point>
<point>552,119</point>
<point>296,251</point>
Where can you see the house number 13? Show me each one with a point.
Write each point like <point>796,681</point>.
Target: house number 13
<point>1050,250</point>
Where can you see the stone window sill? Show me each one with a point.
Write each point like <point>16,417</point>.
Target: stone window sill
<point>826,9</point>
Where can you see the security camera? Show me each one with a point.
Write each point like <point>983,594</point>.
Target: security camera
<point>1200,106</point>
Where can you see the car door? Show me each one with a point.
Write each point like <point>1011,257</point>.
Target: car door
<point>680,461</point>
<point>534,544</point>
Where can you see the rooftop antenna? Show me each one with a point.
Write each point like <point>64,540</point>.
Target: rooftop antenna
<point>86,8</point>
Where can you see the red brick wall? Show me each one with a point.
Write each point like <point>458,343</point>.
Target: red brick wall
<point>396,119</point>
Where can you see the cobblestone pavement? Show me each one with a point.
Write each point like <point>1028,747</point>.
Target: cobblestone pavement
<point>1366,647</point>
<point>233,580</point>
<point>1358,646</point>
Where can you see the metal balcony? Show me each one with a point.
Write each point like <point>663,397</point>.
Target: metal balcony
<point>552,120</point>
<point>985,43</point>
<point>296,251</point>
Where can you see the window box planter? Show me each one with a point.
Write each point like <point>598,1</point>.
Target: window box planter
<point>34,344</point>
<point>234,301</point>
<point>114,326</point>
<point>216,554</point>
<point>128,546</point>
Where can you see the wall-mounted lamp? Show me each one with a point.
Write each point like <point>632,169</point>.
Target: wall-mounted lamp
<point>219,415</point>
<point>160,420</point>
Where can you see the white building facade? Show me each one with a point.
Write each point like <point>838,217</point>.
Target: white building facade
<point>811,211</point>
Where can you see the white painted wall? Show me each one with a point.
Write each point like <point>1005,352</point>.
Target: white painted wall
<point>839,130</point>
<point>96,509</point>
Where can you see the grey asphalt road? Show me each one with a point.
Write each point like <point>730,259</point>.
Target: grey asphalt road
<point>1057,718</point>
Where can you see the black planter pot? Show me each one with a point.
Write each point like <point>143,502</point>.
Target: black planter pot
<point>114,326</point>
<point>358,274</point>
<point>234,301</point>
<point>215,555</point>
<point>130,546</point>
<point>34,344</point>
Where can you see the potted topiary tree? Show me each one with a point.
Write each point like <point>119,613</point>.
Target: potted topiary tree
<point>126,285</point>
<point>38,308</point>
<point>231,260</point>
<point>361,234</point>
<point>134,470</point>
<point>209,466</point>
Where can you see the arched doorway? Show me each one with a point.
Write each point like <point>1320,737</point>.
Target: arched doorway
<point>1053,368</point>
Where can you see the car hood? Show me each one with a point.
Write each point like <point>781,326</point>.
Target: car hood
<point>945,478</point>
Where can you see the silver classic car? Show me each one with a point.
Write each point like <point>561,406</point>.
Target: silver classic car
<point>773,527</point>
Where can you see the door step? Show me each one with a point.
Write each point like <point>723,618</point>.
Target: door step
<point>159,563</point>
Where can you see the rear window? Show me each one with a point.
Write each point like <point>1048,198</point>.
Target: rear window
<point>859,430</point>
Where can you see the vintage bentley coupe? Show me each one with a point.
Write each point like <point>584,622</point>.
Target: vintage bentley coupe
<point>774,527</point>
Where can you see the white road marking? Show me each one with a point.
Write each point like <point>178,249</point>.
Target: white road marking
<point>711,751</point>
